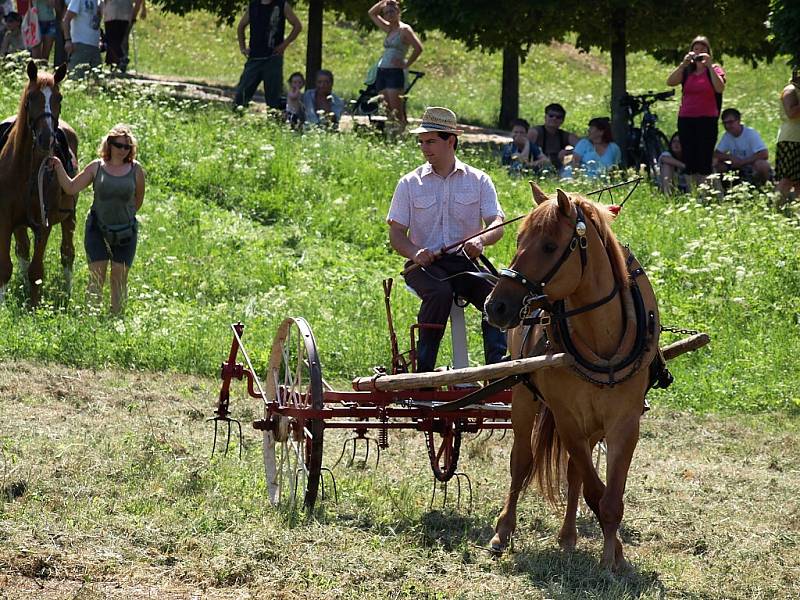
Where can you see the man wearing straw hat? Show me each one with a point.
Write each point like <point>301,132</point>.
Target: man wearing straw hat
<point>433,207</point>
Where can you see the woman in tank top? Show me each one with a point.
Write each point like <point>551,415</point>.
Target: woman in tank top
<point>111,229</point>
<point>787,152</point>
<point>390,81</point>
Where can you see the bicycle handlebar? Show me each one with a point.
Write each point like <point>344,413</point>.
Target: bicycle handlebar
<point>641,100</point>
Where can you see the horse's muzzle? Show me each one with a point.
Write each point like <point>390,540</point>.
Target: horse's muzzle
<point>500,313</point>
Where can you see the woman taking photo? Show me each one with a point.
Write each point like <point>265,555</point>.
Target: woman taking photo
<point>703,83</point>
<point>111,229</point>
<point>787,152</point>
<point>390,81</point>
<point>596,153</point>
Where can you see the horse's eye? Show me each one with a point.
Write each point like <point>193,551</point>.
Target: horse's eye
<point>549,247</point>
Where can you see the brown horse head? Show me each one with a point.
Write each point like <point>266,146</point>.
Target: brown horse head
<point>40,106</point>
<point>557,244</point>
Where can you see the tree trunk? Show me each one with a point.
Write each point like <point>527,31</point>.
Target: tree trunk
<point>509,96</point>
<point>314,47</point>
<point>619,77</point>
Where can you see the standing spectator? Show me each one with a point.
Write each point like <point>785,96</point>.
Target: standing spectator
<point>597,153</point>
<point>111,230</point>
<point>12,40</point>
<point>118,18</point>
<point>6,7</point>
<point>521,153</point>
<point>672,169</point>
<point>267,21</point>
<point>703,83</point>
<point>390,80</point>
<point>320,103</point>
<point>787,153</point>
<point>741,149</point>
<point>434,206</point>
<point>556,143</point>
<point>59,54</point>
<point>47,28</point>
<point>81,27</point>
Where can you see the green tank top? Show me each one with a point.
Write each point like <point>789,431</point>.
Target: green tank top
<point>115,197</point>
<point>790,128</point>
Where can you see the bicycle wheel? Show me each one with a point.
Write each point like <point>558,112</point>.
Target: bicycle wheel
<point>655,143</point>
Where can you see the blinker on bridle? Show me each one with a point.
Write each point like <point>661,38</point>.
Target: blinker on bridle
<point>536,288</point>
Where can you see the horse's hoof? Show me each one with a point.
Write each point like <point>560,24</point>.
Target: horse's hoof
<point>497,546</point>
<point>567,543</point>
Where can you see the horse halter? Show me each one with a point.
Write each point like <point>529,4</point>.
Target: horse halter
<point>46,114</point>
<point>536,288</point>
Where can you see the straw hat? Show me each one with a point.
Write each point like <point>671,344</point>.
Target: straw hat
<point>438,119</point>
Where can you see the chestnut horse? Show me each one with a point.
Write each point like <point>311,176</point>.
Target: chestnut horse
<point>30,196</point>
<point>570,265</point>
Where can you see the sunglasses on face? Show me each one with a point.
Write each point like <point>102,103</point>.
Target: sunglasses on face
<point>555,116</point>
<point>120,145</point>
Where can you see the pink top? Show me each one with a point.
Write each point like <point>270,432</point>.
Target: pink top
<point>699,99</point>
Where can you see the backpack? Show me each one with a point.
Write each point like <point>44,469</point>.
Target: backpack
<point>717,96</point>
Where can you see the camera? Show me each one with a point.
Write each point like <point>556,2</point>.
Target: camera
<point>698,58</point>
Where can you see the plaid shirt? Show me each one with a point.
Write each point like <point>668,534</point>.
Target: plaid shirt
<point>440,211</point>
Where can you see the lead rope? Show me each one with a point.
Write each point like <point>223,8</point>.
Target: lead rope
<point>40,180</point>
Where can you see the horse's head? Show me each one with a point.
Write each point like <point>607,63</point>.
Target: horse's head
<point>552,253</point>
<point>42,105</point>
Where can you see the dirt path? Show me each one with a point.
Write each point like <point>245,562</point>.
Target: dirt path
<point>199,90</point>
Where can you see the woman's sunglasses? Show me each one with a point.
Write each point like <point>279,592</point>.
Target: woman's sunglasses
<point>120,146</point>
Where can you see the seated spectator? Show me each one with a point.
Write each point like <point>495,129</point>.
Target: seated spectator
<point>12,39</point>
<point>672,168</point>
<point>597,153</point>
<point>556,143</point>
<point>521,153</point>
<point>321,103</point>
<point>6,6</point>
<point>294,99</point>
<point>741,149</point>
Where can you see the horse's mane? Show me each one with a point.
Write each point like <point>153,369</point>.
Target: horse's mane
<point>18,133</point>
<point>546,218</point>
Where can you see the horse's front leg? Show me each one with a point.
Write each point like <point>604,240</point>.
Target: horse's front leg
<point>22,249</point>
<point>523,415</point>
<point>621,442</point>
<point>5,260</point>
<point>36,270</point>
<point>68,226</point>
<point>568,536</point>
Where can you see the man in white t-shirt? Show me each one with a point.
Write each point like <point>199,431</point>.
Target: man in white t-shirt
<point>742,149</point>
<point>435,206</point>
<point>81,27</point>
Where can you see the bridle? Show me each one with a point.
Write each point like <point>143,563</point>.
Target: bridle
<point>46,114</point>
<point>536,293</point>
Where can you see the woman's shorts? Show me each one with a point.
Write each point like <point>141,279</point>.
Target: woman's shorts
<point>47,28</point>
<point>787,161</point>
<point>390,79</point>
<point>98,249</point>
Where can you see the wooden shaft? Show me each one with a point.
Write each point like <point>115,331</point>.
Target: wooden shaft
<point>411,381</point>
<point>685,345</point>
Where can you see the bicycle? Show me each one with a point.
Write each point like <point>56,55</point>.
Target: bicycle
<point>647,142</point>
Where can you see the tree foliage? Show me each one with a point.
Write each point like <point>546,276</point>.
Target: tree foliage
<point>785,22</point>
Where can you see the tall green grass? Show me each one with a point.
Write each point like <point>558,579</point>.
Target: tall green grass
<point>247,220</point>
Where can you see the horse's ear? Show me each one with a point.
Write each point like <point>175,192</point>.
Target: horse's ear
<point>33,71</point>
<point>564,203</point>
<point>538,195</point>
<point>60,73</point>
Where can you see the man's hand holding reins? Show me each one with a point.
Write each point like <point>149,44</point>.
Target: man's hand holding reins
<point>424,257</point>
<point>474,247</point>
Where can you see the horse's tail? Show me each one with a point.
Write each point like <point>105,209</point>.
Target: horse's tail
<point>549,457</point>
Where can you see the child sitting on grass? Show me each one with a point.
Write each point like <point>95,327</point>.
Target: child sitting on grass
<point>294,104</point>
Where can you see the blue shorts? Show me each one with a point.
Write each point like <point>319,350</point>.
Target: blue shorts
<point>390,79</point>
<point>47,28</point>
<point>98,249</point>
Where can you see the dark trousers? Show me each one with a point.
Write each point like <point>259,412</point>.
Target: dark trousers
<point>256,70</point>
<point>437,296</point>
<point>698,139</point>
<point>116,32</point>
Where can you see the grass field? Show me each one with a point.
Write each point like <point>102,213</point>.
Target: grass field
<point>109,491</point>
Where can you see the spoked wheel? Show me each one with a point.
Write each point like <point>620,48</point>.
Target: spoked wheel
<point>655,143</point>
<point>293,444</point>
<point>444,447</point>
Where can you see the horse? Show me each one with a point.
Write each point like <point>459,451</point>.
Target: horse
<point>30,196</point>
<point>573,288</point>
